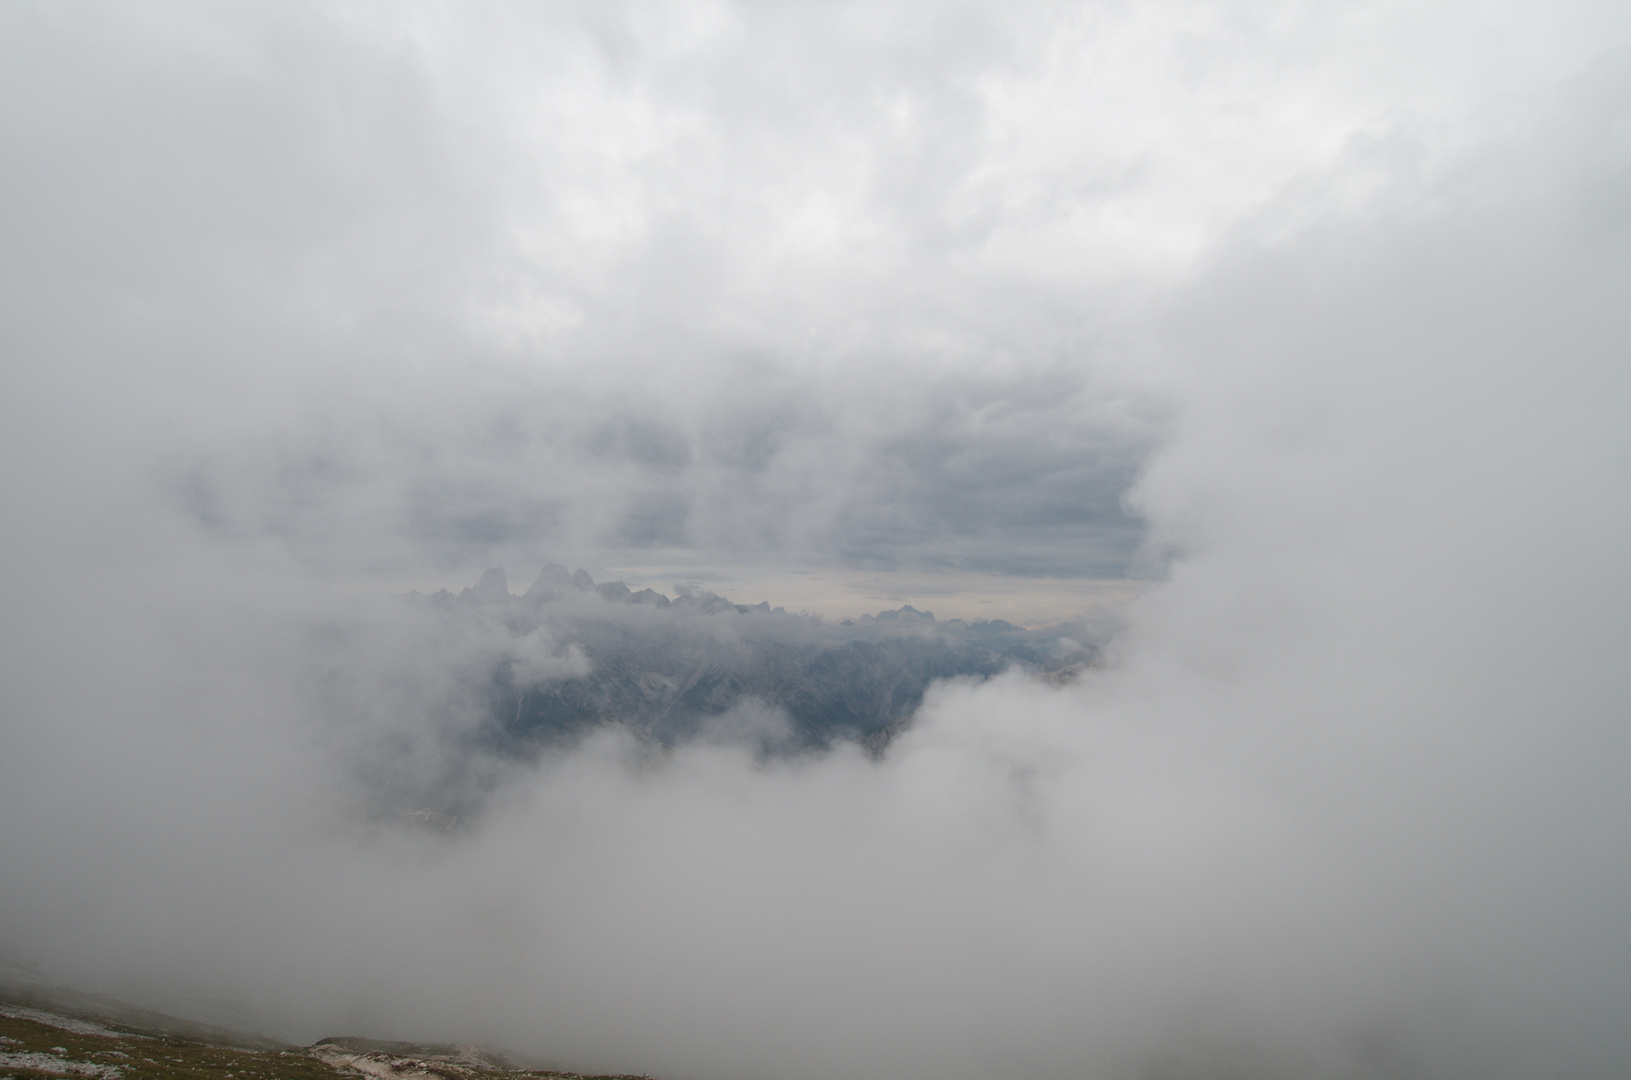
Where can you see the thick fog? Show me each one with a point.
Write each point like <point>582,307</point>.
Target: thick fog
<point>1308,320</point>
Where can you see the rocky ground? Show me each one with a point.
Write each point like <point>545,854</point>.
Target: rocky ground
<point>82,1040</point>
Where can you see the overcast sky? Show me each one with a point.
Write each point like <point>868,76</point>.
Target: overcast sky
<point>1308,320</point>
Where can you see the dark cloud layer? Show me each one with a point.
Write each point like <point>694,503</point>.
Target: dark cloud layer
<point>1316,311</point>
<point>1012,477</point>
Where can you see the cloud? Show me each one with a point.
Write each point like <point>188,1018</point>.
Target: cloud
<point>1321,308</point>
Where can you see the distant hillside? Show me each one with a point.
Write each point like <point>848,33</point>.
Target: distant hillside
<point>434,690</point>
<point>666,668</point>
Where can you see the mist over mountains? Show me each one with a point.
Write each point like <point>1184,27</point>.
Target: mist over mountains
<point>1307,317</point>
<point>495,677</point>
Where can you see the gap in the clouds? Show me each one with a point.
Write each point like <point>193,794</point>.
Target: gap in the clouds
<point>837,593</point>
<point>841,593</point>
<point>439,698</point>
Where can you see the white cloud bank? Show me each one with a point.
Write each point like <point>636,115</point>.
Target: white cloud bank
<point>1349,802</point>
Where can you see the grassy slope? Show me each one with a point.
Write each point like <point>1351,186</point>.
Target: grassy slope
<point>36,1043</point>
<point>134,1055</point>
